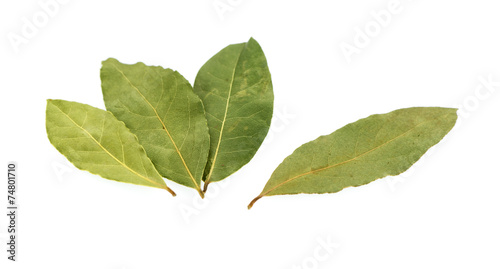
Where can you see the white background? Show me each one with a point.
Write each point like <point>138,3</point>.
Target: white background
<point>443,213</point>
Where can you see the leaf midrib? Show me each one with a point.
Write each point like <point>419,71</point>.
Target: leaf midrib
<point>163,124</point>
<point>344,162</point>
<point>109,153</point>
<point>207,180</point>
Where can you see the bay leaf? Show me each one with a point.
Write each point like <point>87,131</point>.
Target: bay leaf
<point>236,90</point>
<point>160,107</point>
<point>361,152</point>
<point>94,140</point>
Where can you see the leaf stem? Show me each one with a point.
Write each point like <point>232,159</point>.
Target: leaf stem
<point>171,191</point>
<point>202,194</point>
<point>205,185</point>
<point>253,201</point>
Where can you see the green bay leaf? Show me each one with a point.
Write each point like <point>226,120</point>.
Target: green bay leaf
<point>236,90</point>
<point>160,107</point>
<point>94,140</point>
<point>361,152</point>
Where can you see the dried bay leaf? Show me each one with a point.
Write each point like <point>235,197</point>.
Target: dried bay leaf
<point>94,140</point>
<point>160,107</point>
<point>361,152</point>
<point>236,90</point>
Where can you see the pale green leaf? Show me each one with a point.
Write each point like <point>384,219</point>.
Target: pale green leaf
<point>361,152</point>
<point>160,107</point>
<point>95,141</point>
<point>236,90</point>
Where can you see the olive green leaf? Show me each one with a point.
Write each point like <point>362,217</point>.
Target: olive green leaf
<point>95,141</point>
<point>160,107</point>
<point>236,90</point>
<point>361,152</point>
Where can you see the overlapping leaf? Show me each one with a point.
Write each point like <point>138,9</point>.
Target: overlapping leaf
<point>361,152</point>
<point>236,90</point>
<point>160,107</point>
<point>94,140</point>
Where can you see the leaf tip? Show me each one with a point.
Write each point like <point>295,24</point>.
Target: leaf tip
<point>50,101</point>
<point>454,112</point>
<point>56,102</point>
<point>252,41</point>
